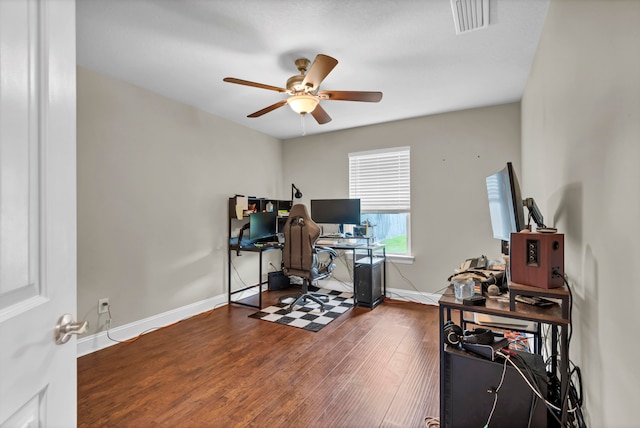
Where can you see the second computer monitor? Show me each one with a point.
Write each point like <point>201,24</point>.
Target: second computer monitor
<point>262,225</point>
<point>336,211</point>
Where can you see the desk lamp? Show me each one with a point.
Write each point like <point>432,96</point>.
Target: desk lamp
<point>298,193</point>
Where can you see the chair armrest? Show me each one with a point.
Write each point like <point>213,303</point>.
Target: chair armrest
<point>322,249</point>
<point>323,269</point>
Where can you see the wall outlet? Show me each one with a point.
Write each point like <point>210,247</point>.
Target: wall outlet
<point>103,305</point>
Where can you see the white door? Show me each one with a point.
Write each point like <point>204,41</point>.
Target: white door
<point>37,212</point>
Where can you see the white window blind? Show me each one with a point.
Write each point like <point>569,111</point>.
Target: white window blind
<point>380,179</point>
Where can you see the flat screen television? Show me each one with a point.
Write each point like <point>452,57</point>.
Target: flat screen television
<point>262,225</point>
<point>505,203</point>
<point>336,211</point>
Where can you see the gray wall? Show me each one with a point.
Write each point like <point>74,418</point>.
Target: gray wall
<point>581,150</point>
<point>451,155</point>
<point>154,176</point>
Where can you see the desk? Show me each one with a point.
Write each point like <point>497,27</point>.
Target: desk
<point>239,213</point>
<point>369,272</point>
<point>557,316</point>
<point>251,249</point>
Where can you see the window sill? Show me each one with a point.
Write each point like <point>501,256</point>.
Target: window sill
<point>401,259</point>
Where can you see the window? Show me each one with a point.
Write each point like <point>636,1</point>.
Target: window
<point>381,180</point>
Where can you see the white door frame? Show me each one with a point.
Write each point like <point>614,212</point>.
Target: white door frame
<point>37,211</point>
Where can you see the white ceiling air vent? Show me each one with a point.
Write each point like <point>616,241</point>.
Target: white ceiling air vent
<point>469,15</point>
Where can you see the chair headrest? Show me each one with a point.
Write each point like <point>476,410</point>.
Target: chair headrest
<point>300,210</point>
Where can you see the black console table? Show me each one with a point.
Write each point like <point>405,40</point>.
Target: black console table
<point>556,316</point>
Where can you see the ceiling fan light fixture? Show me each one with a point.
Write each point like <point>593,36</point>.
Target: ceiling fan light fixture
<point>303,104</point>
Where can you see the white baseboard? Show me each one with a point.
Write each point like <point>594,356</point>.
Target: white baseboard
<point>98,341</point>
<point>413,296</point>
<point>392,293</point>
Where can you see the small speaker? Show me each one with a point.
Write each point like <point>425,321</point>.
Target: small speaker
<point>535,257</point>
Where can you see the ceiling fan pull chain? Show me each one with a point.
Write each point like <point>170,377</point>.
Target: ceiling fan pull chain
<point>304,131</point>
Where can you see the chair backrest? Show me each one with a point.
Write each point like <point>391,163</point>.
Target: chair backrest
<point>300,235</point>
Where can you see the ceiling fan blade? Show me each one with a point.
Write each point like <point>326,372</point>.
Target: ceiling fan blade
<point>320,115</point>
<point>320,68</point>
<point>370,97</point>
<point>268,109</point>
<point>254,84</point>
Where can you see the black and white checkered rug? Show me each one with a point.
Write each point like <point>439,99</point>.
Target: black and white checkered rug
<point>309,316</point>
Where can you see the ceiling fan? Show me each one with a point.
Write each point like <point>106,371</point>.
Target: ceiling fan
<point>304,92</point>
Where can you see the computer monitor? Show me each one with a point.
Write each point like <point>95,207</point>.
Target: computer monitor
<point>262,225</point>
<point>336,211</point>
<point>505,203</point>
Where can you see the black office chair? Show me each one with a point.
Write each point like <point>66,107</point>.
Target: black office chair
<point>300,256</point>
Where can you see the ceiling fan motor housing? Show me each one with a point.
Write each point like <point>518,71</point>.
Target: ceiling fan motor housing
<point>294,84</point>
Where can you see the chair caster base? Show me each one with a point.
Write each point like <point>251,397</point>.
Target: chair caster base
<point>300,299</point>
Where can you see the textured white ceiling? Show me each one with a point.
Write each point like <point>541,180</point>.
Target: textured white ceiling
<point>408,49</point>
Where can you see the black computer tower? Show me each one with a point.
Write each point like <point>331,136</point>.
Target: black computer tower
<point>469,382</point>
<point>368,281</point>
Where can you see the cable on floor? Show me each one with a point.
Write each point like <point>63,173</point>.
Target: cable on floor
<point>134,339</point>
<point>430,298</point>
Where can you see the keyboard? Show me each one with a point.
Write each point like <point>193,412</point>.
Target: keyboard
<point>267,245</point>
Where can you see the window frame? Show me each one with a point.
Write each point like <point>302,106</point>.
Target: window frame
<point>396,178</point>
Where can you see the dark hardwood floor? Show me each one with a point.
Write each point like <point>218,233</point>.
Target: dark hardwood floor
<point>368,368</point>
